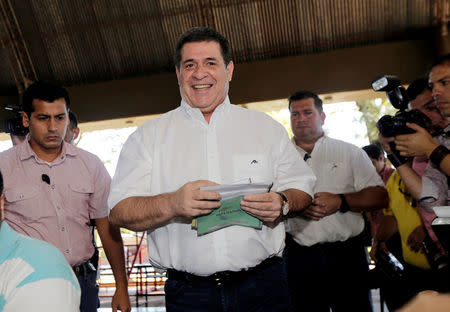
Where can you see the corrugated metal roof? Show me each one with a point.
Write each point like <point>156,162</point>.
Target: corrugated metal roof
<point>81,41</point>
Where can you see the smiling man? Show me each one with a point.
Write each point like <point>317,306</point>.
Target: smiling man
<point>53,188</point>
<point>207,141</point>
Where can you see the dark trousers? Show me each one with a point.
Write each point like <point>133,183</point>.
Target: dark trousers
<point>89,291</point>
<point>265,290</point>
<point>329,275</point>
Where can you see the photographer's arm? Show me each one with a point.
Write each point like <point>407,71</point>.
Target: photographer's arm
<point>445,165</point>
<point>413,182</point>
<point>421,143</point>
<point>416,144</point>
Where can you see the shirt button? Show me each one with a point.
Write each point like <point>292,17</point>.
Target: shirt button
<point>63,229</point>
<point>53,186</point>
<point>66,251</point>
<point>58,207</point>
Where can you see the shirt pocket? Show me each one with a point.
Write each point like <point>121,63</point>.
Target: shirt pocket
<point>335,177</point>
<point>252,166</point>
<point>23,203</point>
<point>80,194</point>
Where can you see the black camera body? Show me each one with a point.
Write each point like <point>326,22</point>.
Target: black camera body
<point>391,267</point>
<point>14,125</point>
<point>390,126</point>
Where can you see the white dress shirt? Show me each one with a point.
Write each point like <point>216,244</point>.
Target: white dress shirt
<point>180,146</point>
<point>340,167</point>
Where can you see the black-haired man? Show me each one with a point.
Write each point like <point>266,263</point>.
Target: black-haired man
<point>52,189</point>
<point>325,256</point>
<point>164,164</point>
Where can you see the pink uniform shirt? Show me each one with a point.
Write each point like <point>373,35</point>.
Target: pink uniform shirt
<point>54,201</point>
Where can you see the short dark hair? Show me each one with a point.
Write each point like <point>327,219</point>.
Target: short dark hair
<point>198,34</point>
<point>417,87</point>
<point>443,59</point>
<point>73,120</point>
<point>301,95</point>
<point>43,90</point>
<point>373,150</point>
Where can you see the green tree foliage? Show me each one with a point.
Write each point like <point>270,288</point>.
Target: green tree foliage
<point>372,111</point>
<point>282,119</point>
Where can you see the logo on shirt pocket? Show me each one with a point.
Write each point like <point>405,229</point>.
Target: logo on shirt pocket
<point>256,167</point>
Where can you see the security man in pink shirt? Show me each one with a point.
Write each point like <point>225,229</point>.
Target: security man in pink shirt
<point>53,188</point>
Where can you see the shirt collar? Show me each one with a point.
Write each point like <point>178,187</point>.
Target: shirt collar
<point>195,113</point>
<point>302,151</point>
<point>25,151</point>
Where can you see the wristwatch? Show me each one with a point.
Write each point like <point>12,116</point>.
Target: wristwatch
<point>284,203</point>
<point>344,204</point>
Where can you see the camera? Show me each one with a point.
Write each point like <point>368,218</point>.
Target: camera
<point>14,125</point>
<point>391,267</point>
<point>436,259</point>
<point>390,126</point>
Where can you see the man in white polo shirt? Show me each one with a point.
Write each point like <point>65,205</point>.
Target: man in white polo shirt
<point>208,141</point>
<point>325,257</point>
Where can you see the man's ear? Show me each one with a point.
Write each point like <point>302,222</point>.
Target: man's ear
<point>177,70</point>
<point>76,133</point>
<point>230,69</point>
<point>25,120</point>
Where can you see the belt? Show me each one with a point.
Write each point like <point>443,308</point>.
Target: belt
<point>84,268</point>
<point>223,277</point>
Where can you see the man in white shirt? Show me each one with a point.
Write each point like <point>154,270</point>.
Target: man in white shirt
<point>207,141</point>
<point>325,257</point>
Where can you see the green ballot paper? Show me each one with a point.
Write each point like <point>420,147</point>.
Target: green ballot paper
<point>230,212</point>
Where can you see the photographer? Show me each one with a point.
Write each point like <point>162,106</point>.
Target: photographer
<point>404,215</point>
<point>421,143</point>
<point>432,189</point>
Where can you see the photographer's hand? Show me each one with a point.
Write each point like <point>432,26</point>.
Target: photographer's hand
<point>416,238</point>
<point>385,143</point>
<point>415,144</point>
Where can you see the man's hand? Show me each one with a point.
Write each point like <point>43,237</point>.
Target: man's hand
<point>416,238</point>
<point>121,301</point>
<point>384,141</point>
<point>329,202</point>
<point>313,212</point>
<point>377,245</point>
<point>190,201</point>
<point>265,206</point>
<point>415,144</point>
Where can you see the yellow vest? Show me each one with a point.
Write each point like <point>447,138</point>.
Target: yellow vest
<point>408,218</point>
